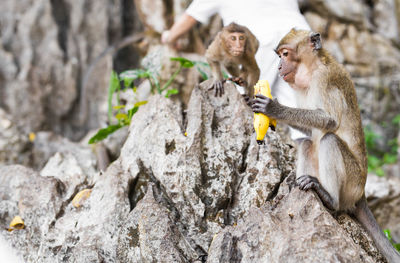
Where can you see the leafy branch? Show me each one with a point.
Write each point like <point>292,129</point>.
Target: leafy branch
<point>119,112</point>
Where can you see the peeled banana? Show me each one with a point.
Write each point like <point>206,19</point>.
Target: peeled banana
<point>261,121</point>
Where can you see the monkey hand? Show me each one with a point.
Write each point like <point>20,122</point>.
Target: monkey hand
<point>239,81</point>
<point>265,105</point>
<point>219,87</point>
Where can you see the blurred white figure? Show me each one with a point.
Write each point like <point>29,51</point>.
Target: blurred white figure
<point>7,253</point>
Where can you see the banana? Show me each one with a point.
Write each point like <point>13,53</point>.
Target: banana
<point>261,121</point>
<point>16,223</point>
<point>81,197</point>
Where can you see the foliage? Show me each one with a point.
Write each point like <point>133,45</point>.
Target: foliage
<point>389,236</point>
<point>124,116</point>
<point>377,158</point>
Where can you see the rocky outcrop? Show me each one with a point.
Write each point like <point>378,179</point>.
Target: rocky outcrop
<point>184,187</point>
<point>383,195</point>
<point>46,48</point>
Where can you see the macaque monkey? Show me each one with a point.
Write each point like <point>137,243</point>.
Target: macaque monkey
<point>234,48</point>
<point>332,160</point>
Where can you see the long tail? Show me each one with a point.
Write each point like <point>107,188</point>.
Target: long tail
<point>367,219</point>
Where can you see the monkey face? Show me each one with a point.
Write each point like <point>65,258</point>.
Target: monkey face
<point>288,64</point>
<point>236,42</point>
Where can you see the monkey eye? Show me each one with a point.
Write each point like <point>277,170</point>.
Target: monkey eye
<point>285,53</point>
<point>233,38</point>
<point>241,38</point>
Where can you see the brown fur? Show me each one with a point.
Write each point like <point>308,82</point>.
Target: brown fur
<point>328,111</point>
<point>219,54</point>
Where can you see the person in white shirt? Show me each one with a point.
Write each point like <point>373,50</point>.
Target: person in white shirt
<point>268,20</point>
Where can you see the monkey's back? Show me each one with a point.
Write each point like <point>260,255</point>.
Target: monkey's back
<point>350,126</point>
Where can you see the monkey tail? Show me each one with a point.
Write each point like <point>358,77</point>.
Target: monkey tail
<point>367,219</point>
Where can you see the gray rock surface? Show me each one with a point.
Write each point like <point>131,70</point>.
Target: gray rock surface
<point>45,50</point>
<point>176,198</point>
<point>383,194</point>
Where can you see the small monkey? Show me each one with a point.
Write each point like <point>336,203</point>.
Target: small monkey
<point>332,160</point>
<point>234,47</point>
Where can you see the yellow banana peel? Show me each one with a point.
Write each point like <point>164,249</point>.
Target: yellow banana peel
<point>261,121</point>
<point>16,223</point>
<point>81,197</point>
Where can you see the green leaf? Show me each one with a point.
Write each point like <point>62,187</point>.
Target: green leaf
<point>118,107</point>
<point>379,172</point>
<point>171,92</point>
<point>396,120</point>
<point>389,158</point>
<point>397,246</point>
<point>121,117</point>
<point>140,103</point>
<point>112,87</point>
<point>202,73</point>
<point>132,112</point>
<point>224,74</point>
<point>186,63</point>
<point>166,85</point>
<point>134,74</point>
<point>156,83</point>
<point>387,234</point>
<point>373,161</point>
<point>103,133</point>
<point>127,82</point>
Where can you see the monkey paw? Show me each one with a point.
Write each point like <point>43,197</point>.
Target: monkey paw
<point>239,81</point>
<point>306,182</point>
<point>218,85</point>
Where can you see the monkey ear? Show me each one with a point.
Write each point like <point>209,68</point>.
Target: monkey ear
<point>315,39</point>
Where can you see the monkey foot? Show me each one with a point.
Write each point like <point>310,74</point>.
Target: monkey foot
<point>306,182</point>
<point>218,85</point>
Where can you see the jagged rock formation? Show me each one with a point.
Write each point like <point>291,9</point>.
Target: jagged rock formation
<point>46,48</point>
<point>176,198</point>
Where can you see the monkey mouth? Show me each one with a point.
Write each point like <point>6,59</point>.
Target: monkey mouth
<point>237,53</point>
<point>284,75</point>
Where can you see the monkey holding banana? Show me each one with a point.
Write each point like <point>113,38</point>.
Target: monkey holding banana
<point>332,160</point>
<point>234,48</point>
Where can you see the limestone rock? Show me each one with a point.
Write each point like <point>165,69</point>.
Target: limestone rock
<point>45,49</point>
<point>46,144</point>
<point>13,144</point>
<point>151,225</point>
<point>295,229</point>
<point>383,194</point>
<point>168,194</point>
